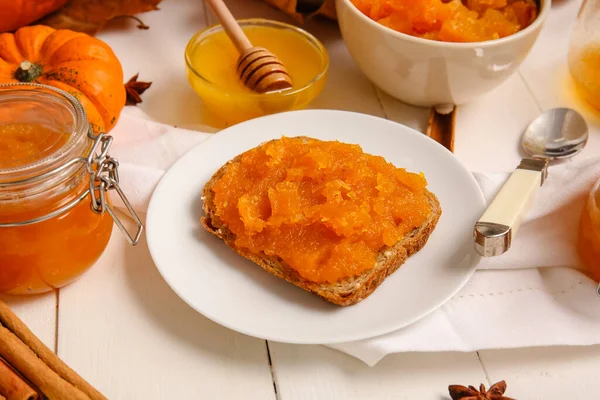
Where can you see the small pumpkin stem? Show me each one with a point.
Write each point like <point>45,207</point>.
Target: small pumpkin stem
<point>28,72</point>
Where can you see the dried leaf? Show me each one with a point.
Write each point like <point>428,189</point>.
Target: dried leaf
<point>89,16</point>
<point>134,90</point>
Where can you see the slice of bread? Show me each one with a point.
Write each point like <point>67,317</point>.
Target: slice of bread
<point>346,292</point>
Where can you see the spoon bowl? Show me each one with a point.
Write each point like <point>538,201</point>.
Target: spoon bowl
<point>557,133</point>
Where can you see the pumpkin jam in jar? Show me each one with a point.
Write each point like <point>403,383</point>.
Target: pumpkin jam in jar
<point>325,208</point>
<point>40,131</point>
<point>584,65</point>
<point>589,233</point>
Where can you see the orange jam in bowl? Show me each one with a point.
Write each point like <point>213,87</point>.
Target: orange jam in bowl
<point>49,234</point>
<point>325,208</point>
<point>454,20</point>
<point>211,61</point>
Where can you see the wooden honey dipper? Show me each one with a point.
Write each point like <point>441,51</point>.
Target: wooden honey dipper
<point>259,69</point>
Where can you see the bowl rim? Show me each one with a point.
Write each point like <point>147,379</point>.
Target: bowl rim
<point>545,6</point>
<point>217,27</point>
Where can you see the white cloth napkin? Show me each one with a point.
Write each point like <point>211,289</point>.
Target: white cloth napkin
<point>534,295</point>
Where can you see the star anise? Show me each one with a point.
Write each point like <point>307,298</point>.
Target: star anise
<point>496,392</point>
<point>134,89</point>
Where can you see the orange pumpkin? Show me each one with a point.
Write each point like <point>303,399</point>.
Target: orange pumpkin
<point>75,62</point>
<point>18,13</point>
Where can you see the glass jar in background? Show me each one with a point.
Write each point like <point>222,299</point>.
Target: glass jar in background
<point>584,52</point>
<point>55,217</point>
<point>589,232</point>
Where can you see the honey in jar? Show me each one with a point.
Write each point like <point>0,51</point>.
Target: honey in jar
<point>52,229</point>
<point>584,53</point>
<point>589,233</point>
<point>211,61</point>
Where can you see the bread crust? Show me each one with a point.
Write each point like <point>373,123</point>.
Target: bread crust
<point>346,292</point>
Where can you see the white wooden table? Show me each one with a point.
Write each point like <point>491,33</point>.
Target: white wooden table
<point>123,329</point>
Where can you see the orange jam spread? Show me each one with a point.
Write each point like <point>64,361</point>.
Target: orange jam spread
<point>38,257</point>
<point>452,21</point>
<point>325,208</point>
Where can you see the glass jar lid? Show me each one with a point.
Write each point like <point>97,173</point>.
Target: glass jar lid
<point>42,127</point>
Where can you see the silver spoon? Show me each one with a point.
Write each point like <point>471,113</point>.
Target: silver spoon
<point>557,133</point>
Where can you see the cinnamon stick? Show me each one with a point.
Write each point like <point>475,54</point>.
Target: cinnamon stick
<point>13,387</point>
<point>441,128</point>
<point>20,356</point>
<point>19,329</point>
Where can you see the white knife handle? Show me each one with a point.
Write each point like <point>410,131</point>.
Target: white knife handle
<point>495,229</point>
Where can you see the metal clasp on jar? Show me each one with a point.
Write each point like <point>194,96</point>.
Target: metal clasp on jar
<point>104,176</point>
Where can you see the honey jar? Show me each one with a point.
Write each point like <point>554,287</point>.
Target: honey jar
<point>589,233</point>
<point>211,60</point>
<point>584,52</point>
<point>55,174</point>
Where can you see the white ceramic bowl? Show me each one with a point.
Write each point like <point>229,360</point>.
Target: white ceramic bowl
<point>430,73</point>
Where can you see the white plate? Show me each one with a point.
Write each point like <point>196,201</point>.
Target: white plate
<point>235,293</point>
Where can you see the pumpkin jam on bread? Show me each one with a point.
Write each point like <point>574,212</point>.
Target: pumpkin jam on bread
<point>322,215</point>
